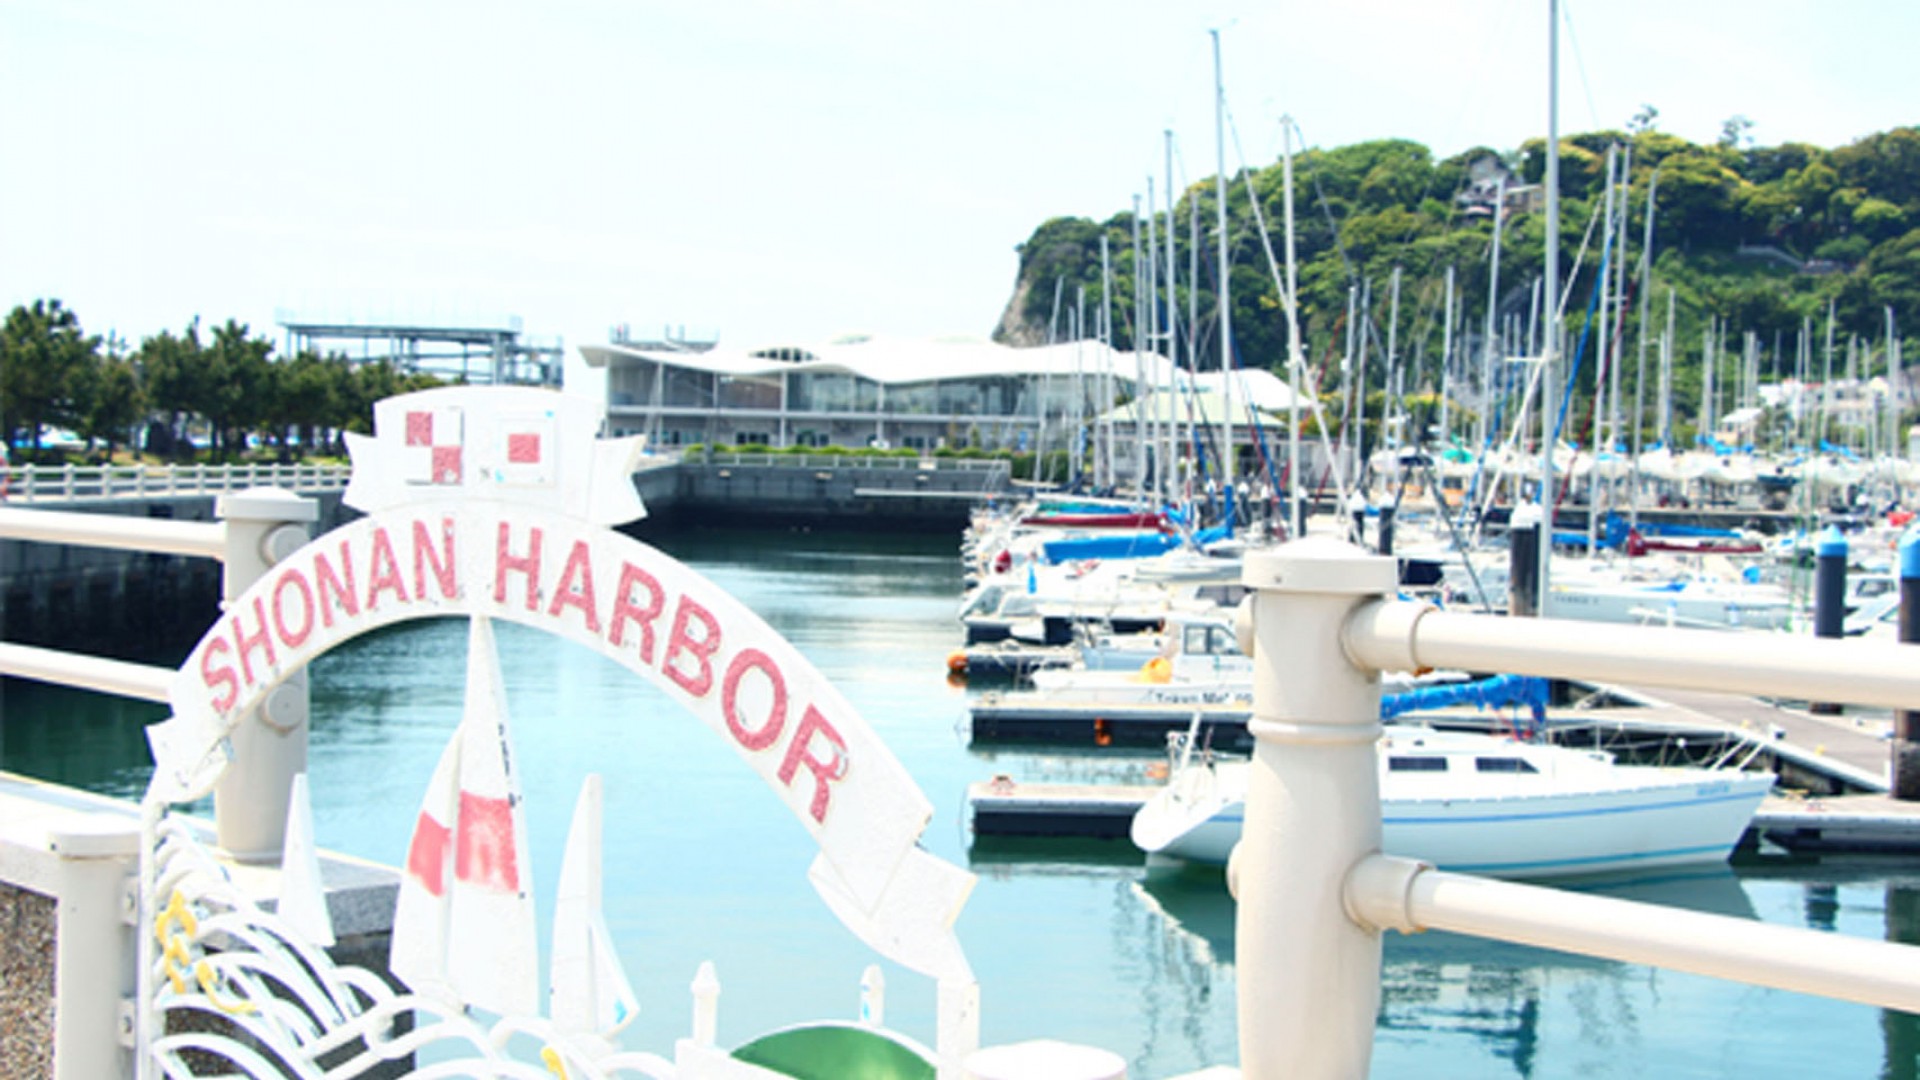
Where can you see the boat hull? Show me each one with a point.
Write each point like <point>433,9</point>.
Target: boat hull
<point>1522,837</point>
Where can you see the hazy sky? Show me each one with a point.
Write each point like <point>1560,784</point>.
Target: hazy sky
<point>770,170</point>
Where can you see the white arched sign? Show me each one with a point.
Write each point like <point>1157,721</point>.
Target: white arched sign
<point>499,503</point>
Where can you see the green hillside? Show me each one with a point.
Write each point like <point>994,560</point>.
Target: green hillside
<point>1748,239</point>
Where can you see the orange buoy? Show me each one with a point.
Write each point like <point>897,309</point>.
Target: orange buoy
<point>957,663</point>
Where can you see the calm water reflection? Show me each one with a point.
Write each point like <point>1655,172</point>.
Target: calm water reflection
<point>1075,942</point>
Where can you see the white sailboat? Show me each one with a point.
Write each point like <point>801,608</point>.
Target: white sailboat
<point>588,993</point>
<point>1493,806</point>
<point>464,928</point>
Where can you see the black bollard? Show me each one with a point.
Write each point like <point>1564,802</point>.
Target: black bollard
<point>1905,769</point>
<point>1357,509</point>
<point>1829,597</point>
<point>1523,560</point>
<point>1386,530</point>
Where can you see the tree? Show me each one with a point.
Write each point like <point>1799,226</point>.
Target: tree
<point>237,389</point>
<point>172,370</point>
<point>1644,120</point>
<point>1736,133</point>
<point>42,352</point>
<point>109,400</point>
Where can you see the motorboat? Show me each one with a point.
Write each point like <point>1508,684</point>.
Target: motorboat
<point>1489,805</point>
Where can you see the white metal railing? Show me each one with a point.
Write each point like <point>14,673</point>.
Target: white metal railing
<point>258,527</point>
<point>852,461</point>
<point>1314,891</point>
<point>86,483</point>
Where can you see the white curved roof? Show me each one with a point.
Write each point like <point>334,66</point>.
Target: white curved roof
<point>901,361</point>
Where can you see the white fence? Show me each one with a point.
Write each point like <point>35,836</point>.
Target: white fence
<point>1314,891</point>
<point>88,483</point>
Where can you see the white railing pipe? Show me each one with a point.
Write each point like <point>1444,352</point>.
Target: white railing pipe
<point>1397,635</point>
<point>197,538</point>
<point>1309,976</point>
<point>1391,893</point>
<point>142,681</point>
<point>263,526</point>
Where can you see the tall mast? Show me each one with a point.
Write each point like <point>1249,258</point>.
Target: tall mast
<point>1139,364</point>
<point>1153,344</point>
<point>1225,302</point>
<point>1666,376</point>
<point>1601,397</point>
<point>1388,405</point>
<point>1172,431</point>
<point>1483,427</point>
<point>1640,372</point>
<point>1104,477</point>
<point>1296,363</point>
<point>1346,379</point>
<point>1446,358</point>
<point>1552,291</point>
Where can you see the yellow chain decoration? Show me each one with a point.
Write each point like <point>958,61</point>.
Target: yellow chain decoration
<point>174,946</point>
<point>176,951</point>
<point>552,1060</point>
<point>210,984</point>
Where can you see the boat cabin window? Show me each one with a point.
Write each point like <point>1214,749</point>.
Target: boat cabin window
<point>1504,764</point>
<point>1416,764</point>
<point>1208,641</point>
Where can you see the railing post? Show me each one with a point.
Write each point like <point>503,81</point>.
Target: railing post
<point>66,480</point>
<point>1904,769</point>
<point>1309,976</point>
<point>93,965</point>
<point>264,525</point>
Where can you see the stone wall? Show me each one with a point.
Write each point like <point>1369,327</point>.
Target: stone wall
<point>27,921</point>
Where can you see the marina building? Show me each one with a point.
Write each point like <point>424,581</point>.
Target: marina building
<point>919,394</point>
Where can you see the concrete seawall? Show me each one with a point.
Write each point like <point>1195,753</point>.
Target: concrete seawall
<point>891,493</point>
<point>120,604</point>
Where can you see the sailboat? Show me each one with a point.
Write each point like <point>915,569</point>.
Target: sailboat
<point>464,929</point>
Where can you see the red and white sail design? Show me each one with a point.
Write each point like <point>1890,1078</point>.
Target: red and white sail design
<point>464,927</point>
<point>588,992</point>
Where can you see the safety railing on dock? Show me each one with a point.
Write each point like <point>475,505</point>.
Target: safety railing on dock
<point>90,483</point>
<point>980,466</point>
<point>1315,892</point>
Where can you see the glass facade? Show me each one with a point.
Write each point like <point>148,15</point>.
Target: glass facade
<point>826,392</point>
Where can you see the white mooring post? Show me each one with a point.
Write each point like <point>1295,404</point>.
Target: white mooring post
<point>264,525</point>
<point>1309,976</point>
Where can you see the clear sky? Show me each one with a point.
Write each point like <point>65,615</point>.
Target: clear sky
<point>772,170</point>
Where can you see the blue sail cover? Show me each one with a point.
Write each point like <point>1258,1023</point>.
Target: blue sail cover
<point>1490,693</point>
<point>1127,546</point>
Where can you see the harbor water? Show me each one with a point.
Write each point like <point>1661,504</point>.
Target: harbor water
<point>1074,941</point>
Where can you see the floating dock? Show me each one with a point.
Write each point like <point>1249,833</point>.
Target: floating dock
<point>1009,659</point>
<point>1026,718</point>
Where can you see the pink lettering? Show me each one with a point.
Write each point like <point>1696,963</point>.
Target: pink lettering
<point>442,562</point>
<point>632,577</point>
<point>338,590</point>
<point>292,638</point>
<point>529,564</point>
<point>800,752</point>
<point>769,732</point>
<point>222,675</point>
<point>701,649</point>
<point>576,587</point>
<point>383,572</point>
<point>244,643</point>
